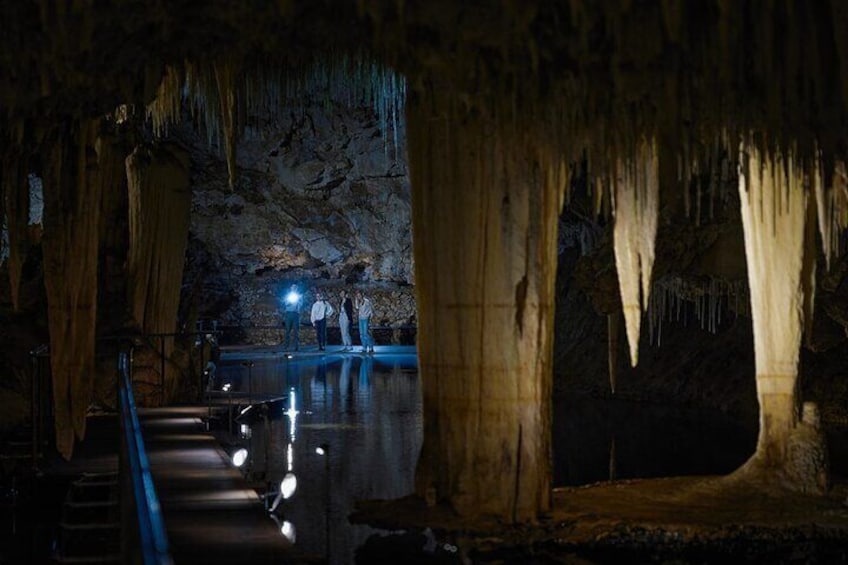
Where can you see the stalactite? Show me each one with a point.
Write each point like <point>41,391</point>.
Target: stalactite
<point>70,244</point>
<point>636,207</point>
<point>166,108</point>
<point>159,206</point>
<point>832,208</point>
<point>15,191</point>
<point>773,204</point>
<point>226,77</point>
<point>222,93</point>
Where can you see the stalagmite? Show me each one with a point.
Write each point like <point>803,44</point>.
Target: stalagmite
<point>70,245</point>
<point>485,210</point>
<point>636,207</point>
<point>159,206</point>
<point>773,203</point>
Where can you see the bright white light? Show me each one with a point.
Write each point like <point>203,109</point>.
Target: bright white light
<point>239,457</point>
<point>226,387</point>
<point>319,450</point>
<point>245,410</point>
<point>292,297</point>
<point>290,457</point>
<point>292,414</point>
<point>287,529</point>
<point>245,430</point>
<point>288,485</point>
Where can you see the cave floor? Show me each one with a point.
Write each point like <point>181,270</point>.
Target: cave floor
<point>683,518</point>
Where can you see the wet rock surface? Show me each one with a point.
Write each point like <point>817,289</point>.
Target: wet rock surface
<point>679,520</point>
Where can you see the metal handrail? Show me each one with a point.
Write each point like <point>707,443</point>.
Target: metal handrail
<point>143,536</point>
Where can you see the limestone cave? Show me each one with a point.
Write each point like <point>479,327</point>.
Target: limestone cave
<point>599,250</point>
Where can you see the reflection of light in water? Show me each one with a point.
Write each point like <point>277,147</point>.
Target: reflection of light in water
<point>288,485</point>
<point>287,529</point>
<point>292,414</point>
<point>290,457</point>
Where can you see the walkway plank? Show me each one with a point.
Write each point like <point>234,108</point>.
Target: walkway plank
<point>210,514</point>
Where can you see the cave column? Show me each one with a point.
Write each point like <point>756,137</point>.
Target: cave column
<point>485,210</point>
<point>70,246</point>
<point>159,212</point>
<point>773,203</point>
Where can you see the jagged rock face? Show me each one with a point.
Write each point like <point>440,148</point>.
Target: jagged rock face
<point>322,199</point>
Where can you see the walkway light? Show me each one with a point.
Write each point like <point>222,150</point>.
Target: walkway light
<point>287,529</point>
<point>238,455</point>
<point>288,485</point>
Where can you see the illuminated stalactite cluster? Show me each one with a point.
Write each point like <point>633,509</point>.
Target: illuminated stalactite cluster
<point>636,209</point>
<point>222,94</point>
<point>774,209</point>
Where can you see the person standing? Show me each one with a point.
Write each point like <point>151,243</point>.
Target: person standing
<point>293,303</point>
<point>321,310</point>
<point>365,311</point>
<point>345,316</point>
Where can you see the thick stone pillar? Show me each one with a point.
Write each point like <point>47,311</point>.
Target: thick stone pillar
<point>485,209</point>
<point>70,244</point>
<point>774,210</point>
<point>159,208</point>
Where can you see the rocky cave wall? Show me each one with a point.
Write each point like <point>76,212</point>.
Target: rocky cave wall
<point>321,199</point>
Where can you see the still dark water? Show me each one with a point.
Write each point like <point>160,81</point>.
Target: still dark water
<point>366,412</point>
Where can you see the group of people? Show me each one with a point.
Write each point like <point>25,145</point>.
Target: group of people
<point>321,312</point>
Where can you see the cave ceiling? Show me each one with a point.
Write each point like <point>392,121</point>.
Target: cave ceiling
<point>606,72</point>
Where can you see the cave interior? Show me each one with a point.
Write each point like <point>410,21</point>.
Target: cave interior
<point>639,199</point>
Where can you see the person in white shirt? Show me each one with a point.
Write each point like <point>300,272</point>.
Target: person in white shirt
<point>321,310</point>
<point>365,311</point>
<point>345,317</point>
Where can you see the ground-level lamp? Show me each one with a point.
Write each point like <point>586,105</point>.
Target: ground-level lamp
<point>238,455</point>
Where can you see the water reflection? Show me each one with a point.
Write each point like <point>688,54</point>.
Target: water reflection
<point>599,440</point>
<point>364,412</point>
<point>365,415</point>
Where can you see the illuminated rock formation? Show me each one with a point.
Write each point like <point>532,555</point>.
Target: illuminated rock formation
<point>485,212</point>
<point>159,204</point>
